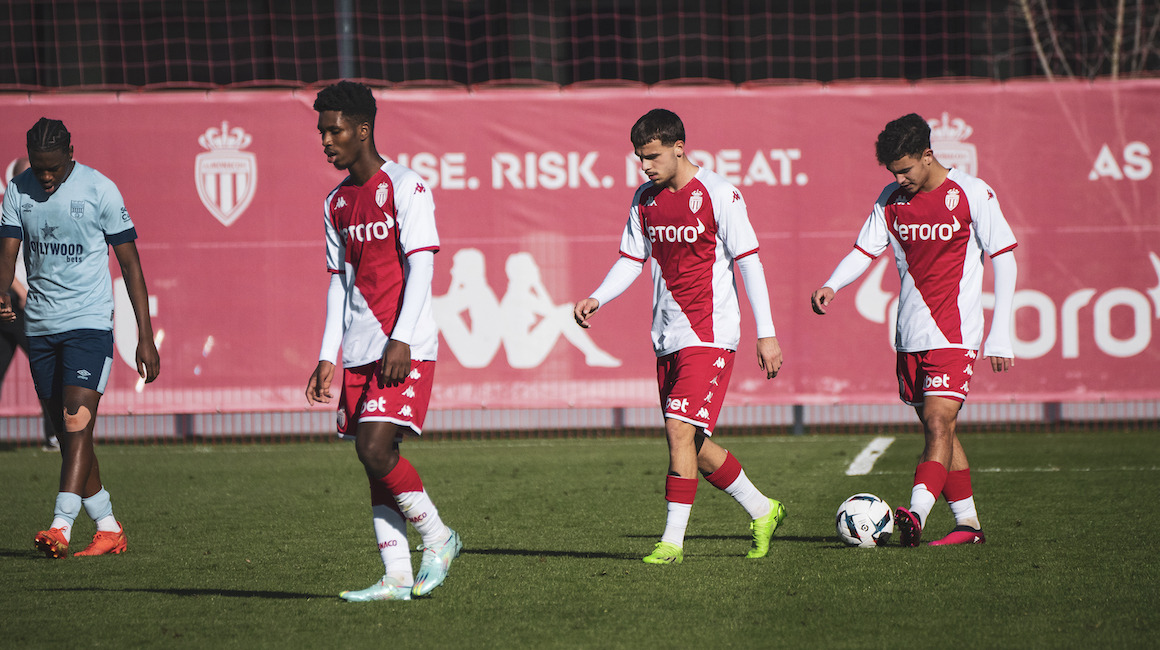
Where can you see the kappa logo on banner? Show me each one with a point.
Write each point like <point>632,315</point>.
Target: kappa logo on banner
<point>948,140</point>
<point>226,176</point>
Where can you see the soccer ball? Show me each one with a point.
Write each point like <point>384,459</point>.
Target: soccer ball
<point>865,520</point>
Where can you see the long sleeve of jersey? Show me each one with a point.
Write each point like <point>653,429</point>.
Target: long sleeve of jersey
<point>619,278</point>
<point>332,331</point>
<point>848,270</point>
<point>998,342</point>
<point>753,274</point>
<point>417,291</point>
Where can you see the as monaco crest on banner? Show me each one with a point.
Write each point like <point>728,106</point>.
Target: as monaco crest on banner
<point>226,176</point>
<point>948,140</point>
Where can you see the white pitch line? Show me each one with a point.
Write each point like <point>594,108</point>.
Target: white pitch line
<point>865,460</point>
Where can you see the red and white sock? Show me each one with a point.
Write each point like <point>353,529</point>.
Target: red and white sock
<point>731,479</point>
<point>679,493</point>
<point>404,483</point>
<point>929,479</point>
<point>961,498</point>
<point>391,535</point>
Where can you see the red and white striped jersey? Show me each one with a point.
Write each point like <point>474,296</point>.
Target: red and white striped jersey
<point>939,238</point>
<point>693,235</point>
<point>370,229</point>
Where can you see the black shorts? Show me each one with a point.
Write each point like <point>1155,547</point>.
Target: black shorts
<point>78,358</point>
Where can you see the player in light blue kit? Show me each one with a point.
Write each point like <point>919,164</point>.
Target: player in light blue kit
<point>67,215</point>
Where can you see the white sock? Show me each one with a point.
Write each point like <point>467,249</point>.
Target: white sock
<point>965,513</point>
<point>750,498</point>
<point>676,523</point>
<point>921,501</point>
<point>418,508</point>
<point>391,535</point>
<point>68,506</point>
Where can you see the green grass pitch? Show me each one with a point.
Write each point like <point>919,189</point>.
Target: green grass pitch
<point>239,545</point>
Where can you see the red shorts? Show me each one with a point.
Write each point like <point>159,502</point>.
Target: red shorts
<point>365,399</point>
<point>693,382</point>
<point>940,373</point>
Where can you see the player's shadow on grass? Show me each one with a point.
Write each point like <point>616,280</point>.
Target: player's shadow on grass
<point>776,538</point>
<point>228,593</point>
<point>530,552</point>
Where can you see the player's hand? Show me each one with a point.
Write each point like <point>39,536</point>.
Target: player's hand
<point>396,363</point>
<point>769,356</point>
<point>148,360</point>
<point>7,315</point>
<point>584,310</point>
<point>1001,364</point>
<point>820,299</point>
<point>318,387</point>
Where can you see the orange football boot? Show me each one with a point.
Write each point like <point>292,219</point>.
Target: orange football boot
<point>52,543</point>
<point>105,542</point>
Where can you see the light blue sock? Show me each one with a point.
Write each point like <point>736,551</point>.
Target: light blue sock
<point>68,506</point>
<point>100,508</point>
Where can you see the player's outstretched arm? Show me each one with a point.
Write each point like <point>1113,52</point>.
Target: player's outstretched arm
<point>148,360</point>
<point>821,299</point>
<point>769,356</point>
<point>318,386</point>
<point>584,310</point>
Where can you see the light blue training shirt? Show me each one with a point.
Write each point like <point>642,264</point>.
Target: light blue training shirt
<point>66,238</point>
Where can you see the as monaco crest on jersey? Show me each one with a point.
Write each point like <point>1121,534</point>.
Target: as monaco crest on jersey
<point>381,194</point>
<point>226,176</point>
<point>696,200</point>
<point>948,140</point>
<point>952,198</point>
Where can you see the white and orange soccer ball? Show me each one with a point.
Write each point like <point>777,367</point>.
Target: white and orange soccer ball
<point>864,520</point>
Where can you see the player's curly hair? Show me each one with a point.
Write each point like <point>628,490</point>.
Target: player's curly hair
<point>657,124</point>
<point>352,99</point>
<point>48,135</point>
<point>909,135</point>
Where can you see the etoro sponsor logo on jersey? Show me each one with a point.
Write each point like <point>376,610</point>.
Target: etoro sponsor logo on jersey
<point>948,141</point>
<point>226,176</point>
<point>364,232</point>
<point>927,231</point>
<point>676,234</point>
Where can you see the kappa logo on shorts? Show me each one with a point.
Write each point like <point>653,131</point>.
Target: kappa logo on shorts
<point>971,354</point>
<point>703,414</point>
<point>405,411</point>
<point>966,387</point>
<point>410,392</point>
<point>709,396</point>
<point>720,363</point>
<point>415,374</point>
<point>968,371</point>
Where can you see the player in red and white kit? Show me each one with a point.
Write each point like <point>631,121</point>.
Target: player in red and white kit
<point>939,222</point>
<point>694,226</point>
<point>380,247</point>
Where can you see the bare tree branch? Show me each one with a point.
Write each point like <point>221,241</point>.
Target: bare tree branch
<point>1035,38</point>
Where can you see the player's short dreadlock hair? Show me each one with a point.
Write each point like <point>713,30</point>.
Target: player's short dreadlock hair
<point>49,135</point>
<point>657,124</point>
<point>909,135</point>
<point>354,100</point>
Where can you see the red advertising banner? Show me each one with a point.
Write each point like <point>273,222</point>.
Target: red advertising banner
<point>532,190</point>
